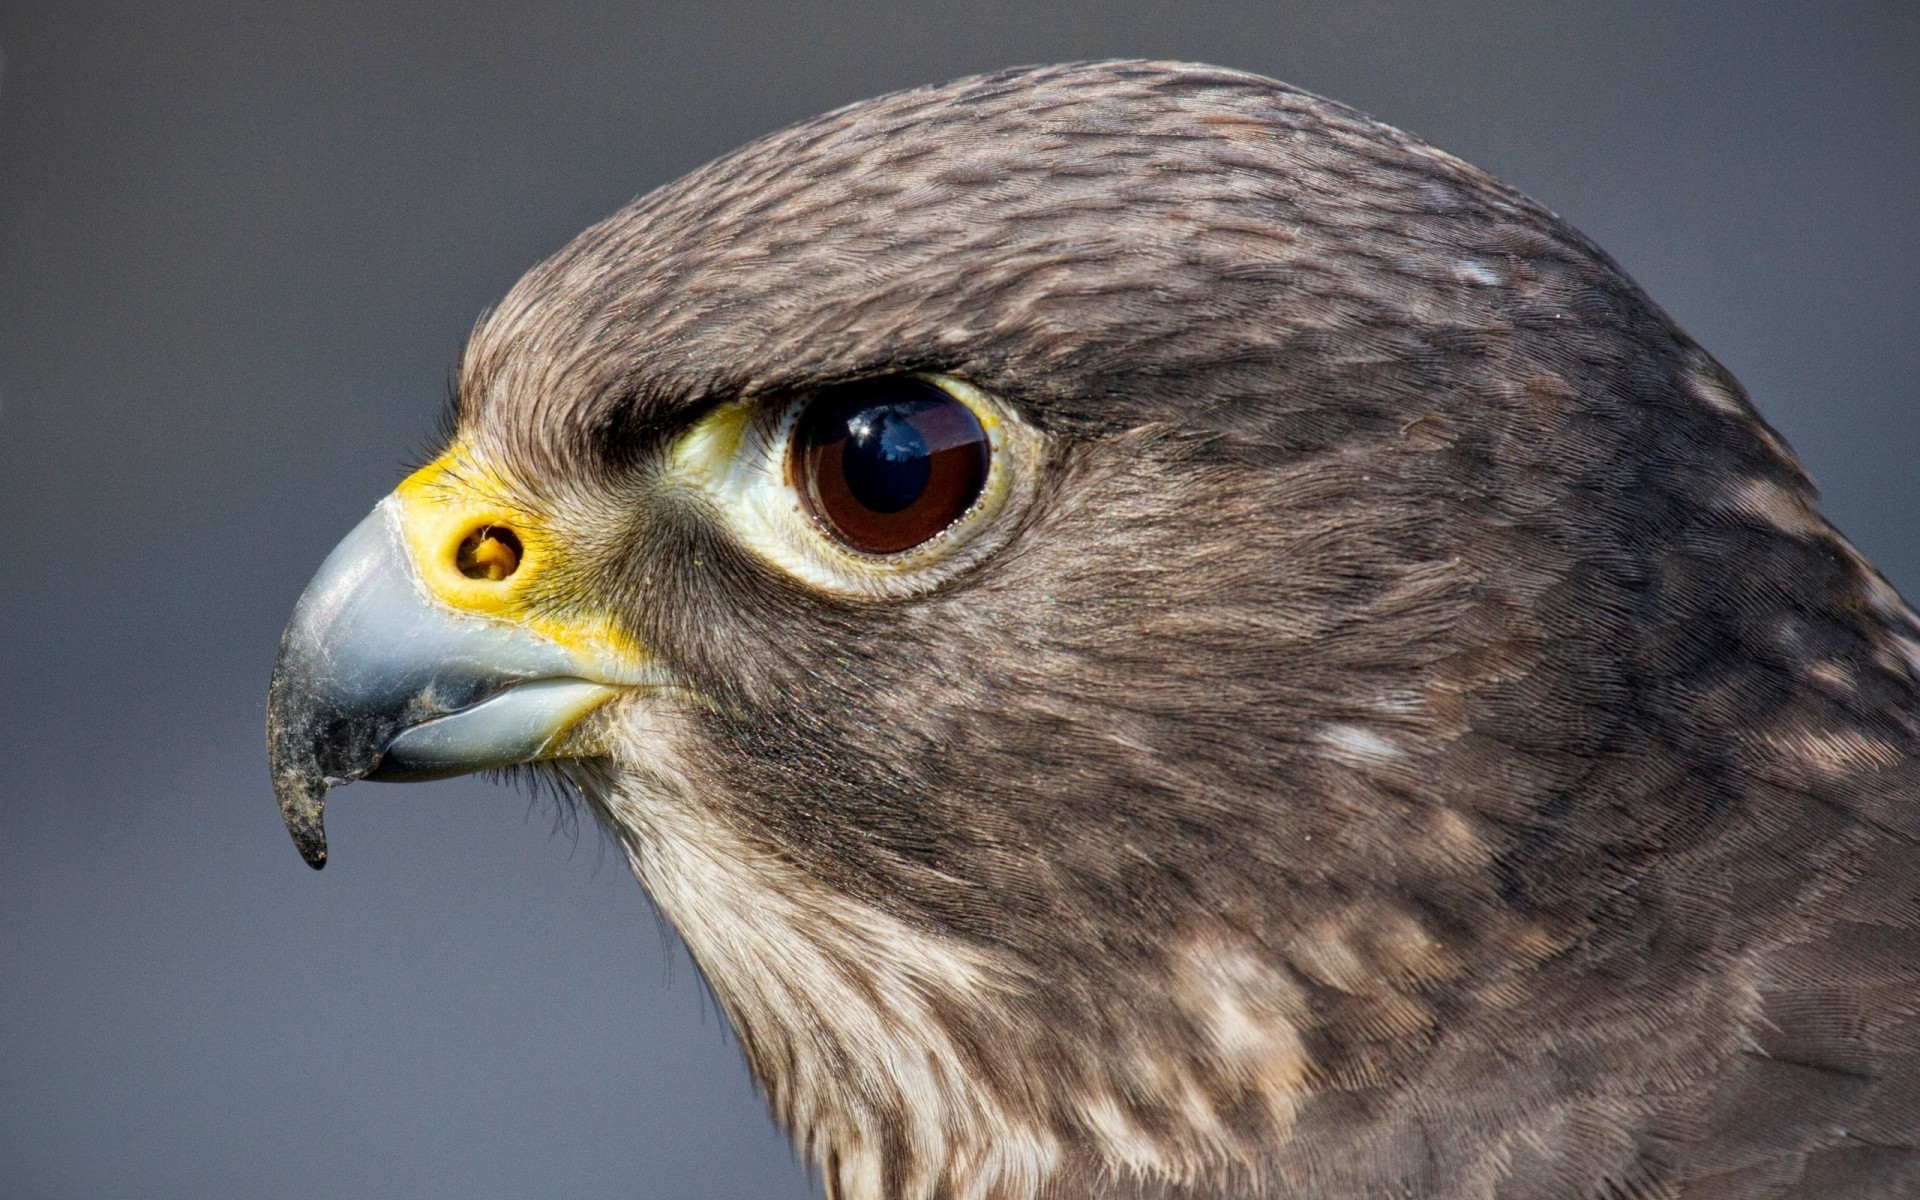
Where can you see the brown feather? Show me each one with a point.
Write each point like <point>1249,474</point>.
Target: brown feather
<point>1418,739</point>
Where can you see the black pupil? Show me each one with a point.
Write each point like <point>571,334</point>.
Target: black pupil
<point>887,464</point>
<point>886,460</point>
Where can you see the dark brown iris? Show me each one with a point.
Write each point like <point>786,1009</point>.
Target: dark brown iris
<point>887,464</point>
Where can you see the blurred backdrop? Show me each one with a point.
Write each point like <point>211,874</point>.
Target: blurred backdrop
<point>240,244</point>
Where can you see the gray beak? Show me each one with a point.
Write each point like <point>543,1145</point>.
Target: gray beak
<point>377,679</point>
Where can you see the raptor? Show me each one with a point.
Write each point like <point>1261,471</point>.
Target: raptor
<point>1160,638</point>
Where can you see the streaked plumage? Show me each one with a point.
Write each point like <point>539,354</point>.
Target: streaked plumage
<point>1406,733</point>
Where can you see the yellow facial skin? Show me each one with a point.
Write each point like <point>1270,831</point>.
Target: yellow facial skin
<point>736,455</point>
<point>459,627</point>
<point>444,505</point>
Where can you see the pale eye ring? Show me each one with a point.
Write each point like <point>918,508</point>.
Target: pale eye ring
<point>885,465</point>
<point>883,486</point>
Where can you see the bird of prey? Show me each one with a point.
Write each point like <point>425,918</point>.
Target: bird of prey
<point>1158,637</point>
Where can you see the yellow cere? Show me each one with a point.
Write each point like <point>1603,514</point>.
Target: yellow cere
<point>479,552</point>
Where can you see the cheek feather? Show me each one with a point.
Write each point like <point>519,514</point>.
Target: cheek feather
<point>833,999</point>
<point>878,1040</point>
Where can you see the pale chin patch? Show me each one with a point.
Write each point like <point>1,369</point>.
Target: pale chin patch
<point>829,997</point>
<point>844,1012</point>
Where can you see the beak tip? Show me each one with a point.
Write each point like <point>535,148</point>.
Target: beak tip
<point>303,808</point>
<point>315,852</point>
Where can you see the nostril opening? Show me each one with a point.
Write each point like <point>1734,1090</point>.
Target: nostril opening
<point>491,552</point>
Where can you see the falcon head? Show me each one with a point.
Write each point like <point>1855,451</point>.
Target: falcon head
<point>1156,637</point>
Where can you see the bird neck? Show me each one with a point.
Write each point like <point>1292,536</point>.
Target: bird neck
<point>850,1019</point>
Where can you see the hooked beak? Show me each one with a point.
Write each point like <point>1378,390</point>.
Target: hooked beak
<point>381,677</point>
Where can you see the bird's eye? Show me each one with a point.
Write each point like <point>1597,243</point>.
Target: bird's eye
<point>881,487</point>
<point>888,464</point>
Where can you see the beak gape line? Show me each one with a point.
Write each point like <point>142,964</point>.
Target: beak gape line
<point>379,679</point>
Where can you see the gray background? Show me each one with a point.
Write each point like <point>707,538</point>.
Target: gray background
<point>239,247</point>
